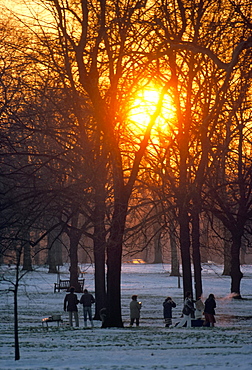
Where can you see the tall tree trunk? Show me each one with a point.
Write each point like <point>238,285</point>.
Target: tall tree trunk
<point>15,291</point>
<point>204,250</point>
<point>196,252</point>
<point>242,217</point>
<point>100,286</point>
<point>183,217</point>
<point>243,254</point>
<point>26,248</point>
<point>52,260</point>
<point>17,351</point>
<point>74,237</point>
<point>99,252</point>
<point>37,248</point>
<point>147,249</point>
<point>158,256</point>
<point>54,249</point>
<point>185,250</point>
<point>114,256</point>
<point>59,244</point>
<point>227,252</point>
<point>174,251</point>
<point>236,274</point>
<point>99,237</point>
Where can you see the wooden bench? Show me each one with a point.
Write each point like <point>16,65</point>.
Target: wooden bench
<point>53,318</point>
<point>65,285</point>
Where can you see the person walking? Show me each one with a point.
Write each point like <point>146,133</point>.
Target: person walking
<point>209,311</point>
<point>70,305</point>
<point>135,308</point>
<point>188,310</point>
<point>87,300</point>
<point>168,304</point>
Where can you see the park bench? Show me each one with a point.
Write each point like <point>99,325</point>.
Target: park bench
<point>53,318</point>
<point>65,285</point>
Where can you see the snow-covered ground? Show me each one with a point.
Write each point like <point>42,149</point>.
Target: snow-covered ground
<point>151,346</point>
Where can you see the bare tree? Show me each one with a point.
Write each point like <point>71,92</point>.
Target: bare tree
<point>98,61</point>
<point>192,53</point>
<point>231,198</point>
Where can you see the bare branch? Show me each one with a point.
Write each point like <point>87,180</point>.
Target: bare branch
<point>196,49</point>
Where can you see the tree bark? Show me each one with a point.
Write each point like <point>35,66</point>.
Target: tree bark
<point>227,252</point>
<point>15,291</point>
<point>114,256</point>
<point>17,351</point>
<point>37,248</point>
<point>99,236</point>
<point>99,252</point>
<point>26,248</point>
<point>185,251</point>
<point>51,245</point>
<point>236,274</point>
<point>158,257</point>
<point>196,252</point>
<point>174,251</point>
<point>100,286</point>
<point>243,254</point>
<point>74,236</point>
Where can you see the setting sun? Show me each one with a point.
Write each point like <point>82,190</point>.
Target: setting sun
<point>145,105</point>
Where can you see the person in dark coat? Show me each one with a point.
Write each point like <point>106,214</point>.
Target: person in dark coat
<point>87,300</point>
<point>168,304</point>
<point>209,310</point>
<point>135,308</point>
<point>70,305</point>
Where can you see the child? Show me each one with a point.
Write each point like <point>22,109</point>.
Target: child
<point>167,310</point>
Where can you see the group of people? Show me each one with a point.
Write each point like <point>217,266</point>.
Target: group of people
<point>189,312</point>
<point>70,305</point>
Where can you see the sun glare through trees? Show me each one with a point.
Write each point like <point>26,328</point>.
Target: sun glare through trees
<point>125,131</point>
<point>144,106</point>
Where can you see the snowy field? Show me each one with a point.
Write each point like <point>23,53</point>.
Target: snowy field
<point>151,346</point>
